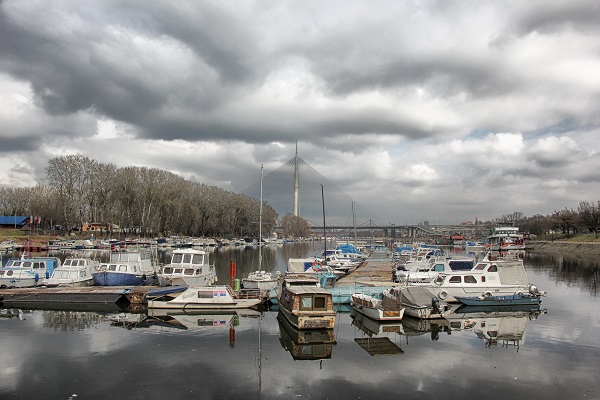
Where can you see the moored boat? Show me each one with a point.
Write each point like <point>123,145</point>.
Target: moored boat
<point>417,302</point>
<point>74,272</point>
<point>203,298</point>
<point>126,269</point>
<point>514,299</point>
<point>188,267</point>
<point>492,276</point>
<point>384,309</point>
<point>307,307</point>
<point>27,271</point>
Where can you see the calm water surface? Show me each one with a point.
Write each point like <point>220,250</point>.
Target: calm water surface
<point>551,353</point>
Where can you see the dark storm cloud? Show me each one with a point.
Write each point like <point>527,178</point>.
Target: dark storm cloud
<point>20,143</point>
<point>551,17</point>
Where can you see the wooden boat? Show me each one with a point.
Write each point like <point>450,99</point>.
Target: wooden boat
<point>307,307</point>
<point>514,299</point>
<point>384,309</point>
<point>188,267</point>
<point>202,298</point>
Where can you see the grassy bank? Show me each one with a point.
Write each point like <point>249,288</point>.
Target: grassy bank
<point>581,243</point>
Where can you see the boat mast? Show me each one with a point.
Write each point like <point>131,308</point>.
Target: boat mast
<point>296,185</point>
<point>324,232</point>
<point>260,220</point>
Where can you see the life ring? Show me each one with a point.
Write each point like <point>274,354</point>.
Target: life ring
<point>487,293</point>
<point>443,295</point>
<point>316,265</point>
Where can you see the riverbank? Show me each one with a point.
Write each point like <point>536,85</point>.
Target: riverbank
<point>565,246</point>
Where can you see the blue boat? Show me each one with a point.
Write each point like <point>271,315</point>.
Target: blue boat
<point>515,299</point>
<point>126,269</point>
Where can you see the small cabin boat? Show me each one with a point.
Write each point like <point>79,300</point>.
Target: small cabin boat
<point>202,298</point>
<point>27,271</point>
<point>307,306</point>
<point>74,272</point>
<point>188,267</point>
<point>126,269</point>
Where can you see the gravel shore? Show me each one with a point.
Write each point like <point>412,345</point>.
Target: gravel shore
<point>565,246</point>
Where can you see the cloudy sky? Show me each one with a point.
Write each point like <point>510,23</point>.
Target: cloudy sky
<point>419,110</point>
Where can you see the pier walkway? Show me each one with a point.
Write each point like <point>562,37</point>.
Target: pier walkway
<point>375,271</point>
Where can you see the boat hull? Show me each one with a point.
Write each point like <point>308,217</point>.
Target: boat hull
<point>499,300</point>
<point>116,279</point>
<point>312,320</point>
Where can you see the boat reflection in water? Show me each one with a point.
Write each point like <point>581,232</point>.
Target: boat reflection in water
<point>199,320</point>
<point>504,325</point>
<point>305,344</point>
<point>373,343</point>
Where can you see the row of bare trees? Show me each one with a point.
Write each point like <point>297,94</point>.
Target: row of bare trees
<point>585,219</point>
<point>147,201</point>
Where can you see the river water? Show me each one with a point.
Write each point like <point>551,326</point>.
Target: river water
<point>550,353</point>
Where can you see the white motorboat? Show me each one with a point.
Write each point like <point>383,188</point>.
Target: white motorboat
<point>27,271</point>
<point>425,271</point>
<point>74,272</point>
<point>201,298</point>
<point>188,267</point>
<point>126,269</point>
<point>492,276</point>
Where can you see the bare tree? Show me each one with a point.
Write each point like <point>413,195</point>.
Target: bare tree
<point>589,215</point>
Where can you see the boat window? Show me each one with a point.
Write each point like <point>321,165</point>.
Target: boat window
<point>188,271</point>
<point>112,267</point>
<point>167,270</point>
<point>480,266</point>
<point>67,262</point>
<point>463,265</point>
<point>39,265</point>
<point>1,272</point>
<point>454,279</point>
<point>178,271</point>
<point>187,258</point>
<point>122,268</point>
<point>205,294</point>
<point>470,279</point>
<point>438,267</point>
<point>483,279</point>
<point>177,258</point>
<point>198,259</point>
<point>493,268</point>
<point>81,263</point>
<point>306,303</point>
<point>9,272</point>
<point>320,302</point>
<point>27,264</point>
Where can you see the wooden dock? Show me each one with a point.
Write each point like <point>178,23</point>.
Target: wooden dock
<point>377,270</point>
<point>75,295</point>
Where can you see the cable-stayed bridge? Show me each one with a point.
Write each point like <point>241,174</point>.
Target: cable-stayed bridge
<point>296,186</point>
<point>314,191</point>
